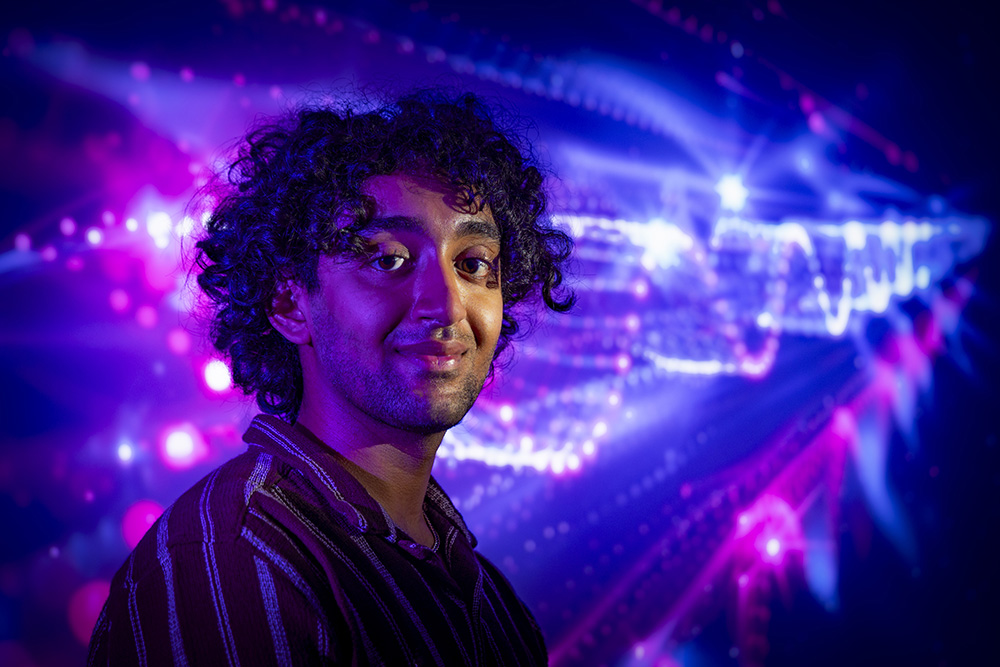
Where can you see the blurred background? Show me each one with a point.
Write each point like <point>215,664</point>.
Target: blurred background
<point>766,436</point>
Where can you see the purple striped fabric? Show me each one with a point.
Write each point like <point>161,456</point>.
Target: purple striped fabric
<point>280,557</point>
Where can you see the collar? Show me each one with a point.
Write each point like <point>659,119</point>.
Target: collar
<point>345,494</point>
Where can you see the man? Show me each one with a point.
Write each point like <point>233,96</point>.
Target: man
<point>364,270</point>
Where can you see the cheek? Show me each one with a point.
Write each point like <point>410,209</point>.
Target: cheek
<point>490,319</point>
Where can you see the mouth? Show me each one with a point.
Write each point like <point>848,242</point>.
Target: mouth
<point>434,355</point>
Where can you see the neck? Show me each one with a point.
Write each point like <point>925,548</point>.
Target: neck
<point>393,466</point>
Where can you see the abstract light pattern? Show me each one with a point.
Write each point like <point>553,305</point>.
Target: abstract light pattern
<point>672,452</point>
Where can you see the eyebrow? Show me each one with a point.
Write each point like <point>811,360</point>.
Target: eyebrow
<point>471,227</point>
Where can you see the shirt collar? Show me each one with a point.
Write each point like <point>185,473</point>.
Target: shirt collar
<point>345,494</point>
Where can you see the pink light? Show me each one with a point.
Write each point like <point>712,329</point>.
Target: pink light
<point>640,288</point>
<point>217,376</point>
<point>94,236</point>
<point>506,413</point>
<point>84,607</point>
<point>22,242</point>
<point>187,76</point>
<point>137,520</point>
<point>108,218</point>
<point>182,446</point>
<point>119,300</point>
<point>146,317</point>
<point>67,226</point>
<point>179,341</point>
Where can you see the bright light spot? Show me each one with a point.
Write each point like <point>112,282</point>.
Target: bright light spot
<point>67,226</point>
<point>855,235</point>
<point>159,226</point>
<point>765,320</point>
<point>623,362</point>
<point>573,462</point>
<point>600,428</point>
<point>108,218</point>
<point>179,445</point>
<point>527,444</point>
<point>506,413</point>
<point>640,288</point>
<point>588,447</point>
<point>732,193</point>
<point>185,226</point>
<point>614,398</point>
<point>743,580</point>
<point>132,224</point>
<point>558,465</point>
<point>772,547</point>
<point>632,322</point>
<point>182,445</point>
<point>217,375</point>
<point>922,277</point>
<point>22,242</point>
<point>94,236</point>
<point>743,520</point>
<point>125,452</point>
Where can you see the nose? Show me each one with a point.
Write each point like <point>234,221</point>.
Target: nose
<point>437,293</point>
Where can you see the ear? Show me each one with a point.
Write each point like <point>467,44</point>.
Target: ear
<point>290,313</point>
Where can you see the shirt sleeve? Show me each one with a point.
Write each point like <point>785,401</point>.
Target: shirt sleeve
<point>217,603</point>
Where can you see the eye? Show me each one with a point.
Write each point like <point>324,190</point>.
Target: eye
<point>388,263</point>
<point>477,267</point>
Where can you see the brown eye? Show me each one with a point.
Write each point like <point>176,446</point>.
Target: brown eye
<point>476,267</point>
<point>388,263</point>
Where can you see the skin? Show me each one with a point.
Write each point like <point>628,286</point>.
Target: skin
<point>395,346</point>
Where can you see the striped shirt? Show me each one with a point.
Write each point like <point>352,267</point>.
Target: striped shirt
<point>280,557</point>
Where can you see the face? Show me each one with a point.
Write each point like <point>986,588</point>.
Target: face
<point>405,335</point>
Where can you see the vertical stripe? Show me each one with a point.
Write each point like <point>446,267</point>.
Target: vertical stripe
<point>166,564</point>
<point>286,568</point>
<point>133,614</point>
<point>260,470</point>
<point>212,569</point>
<point>273,612</point>
<point>362,543</point>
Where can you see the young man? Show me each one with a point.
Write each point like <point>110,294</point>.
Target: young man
<point>364,269</point>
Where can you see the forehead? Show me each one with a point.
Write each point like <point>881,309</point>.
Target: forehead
<point>425,205</point>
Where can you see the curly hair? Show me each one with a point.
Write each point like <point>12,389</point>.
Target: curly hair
<point>293,177</point>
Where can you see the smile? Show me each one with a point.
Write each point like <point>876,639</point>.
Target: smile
<point>435,355</point>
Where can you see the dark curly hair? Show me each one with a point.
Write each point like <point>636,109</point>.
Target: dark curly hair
<point>294,176</point>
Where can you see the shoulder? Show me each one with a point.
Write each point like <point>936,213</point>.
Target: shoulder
<point>214,511</point>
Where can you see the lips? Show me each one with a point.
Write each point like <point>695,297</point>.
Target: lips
<point>435,355</point>
<point>435,348</point>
